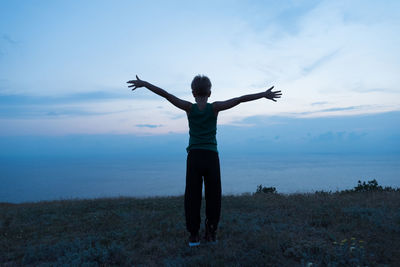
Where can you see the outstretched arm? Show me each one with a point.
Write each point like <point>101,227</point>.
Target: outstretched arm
<point>223,105</point>
<point>177,102</point>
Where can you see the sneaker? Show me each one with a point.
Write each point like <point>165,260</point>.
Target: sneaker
<point>211,234</point>
<point>194,240</point>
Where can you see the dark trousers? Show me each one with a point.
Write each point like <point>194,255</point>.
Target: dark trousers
<point>202,163</point>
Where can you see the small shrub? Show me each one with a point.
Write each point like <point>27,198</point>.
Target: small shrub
<point>370,186</point>
<point>323,193</point>
<point>367,187</point>
<point>266,190</point>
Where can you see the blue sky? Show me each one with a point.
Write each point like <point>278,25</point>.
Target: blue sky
<point>64,64</point>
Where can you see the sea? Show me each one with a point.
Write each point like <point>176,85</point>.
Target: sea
<point>46,179</point>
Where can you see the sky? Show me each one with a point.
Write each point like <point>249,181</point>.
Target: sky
<point>64,67</point>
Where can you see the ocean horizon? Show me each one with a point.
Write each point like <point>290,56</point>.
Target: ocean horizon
<point>46,179</point>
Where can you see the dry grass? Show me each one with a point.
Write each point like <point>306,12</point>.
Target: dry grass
<point>336,229</point>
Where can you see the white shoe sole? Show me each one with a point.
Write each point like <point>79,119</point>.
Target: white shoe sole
<point>194,244</point>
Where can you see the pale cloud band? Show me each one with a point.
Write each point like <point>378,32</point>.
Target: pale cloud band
<point>330,58</point>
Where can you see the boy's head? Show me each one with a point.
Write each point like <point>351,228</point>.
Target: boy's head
<point>201,86</point>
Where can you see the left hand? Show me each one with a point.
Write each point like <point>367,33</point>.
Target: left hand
<point>272,95</point>
<point>136,83</point>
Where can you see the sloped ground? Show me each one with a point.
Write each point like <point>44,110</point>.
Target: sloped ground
<point>353,228</point>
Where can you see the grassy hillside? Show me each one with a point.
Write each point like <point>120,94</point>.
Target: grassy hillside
<point>351,228</point>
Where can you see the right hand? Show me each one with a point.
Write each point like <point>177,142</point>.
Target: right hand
<point>272,95</point>
<point>136,83</point>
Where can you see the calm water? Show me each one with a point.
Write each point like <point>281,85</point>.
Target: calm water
<point>40,179</point>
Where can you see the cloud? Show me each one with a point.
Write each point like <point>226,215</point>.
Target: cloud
<point>365,122</point>
<point>340,109</point>
<point>374,90</point>
<point>319,103</point>
<point>72,105</point>
<point>341,136</point>
<point>6,40</point>
<point>320,62</point>
<point>377,133</point>
<point>337,54</point>
<point>9,39</point>
<point>337,111</point>
<point>38,111</point>
<point>73,113</point>
<point>177,116</point>
<point>25,99</point>
<point>148,125</point>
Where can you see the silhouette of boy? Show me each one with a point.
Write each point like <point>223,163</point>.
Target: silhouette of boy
<point>202,160</point>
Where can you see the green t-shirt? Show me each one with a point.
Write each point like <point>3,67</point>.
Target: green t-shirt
<point>202,128</point>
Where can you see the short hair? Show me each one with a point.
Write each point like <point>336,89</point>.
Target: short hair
<point>201,85</point>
